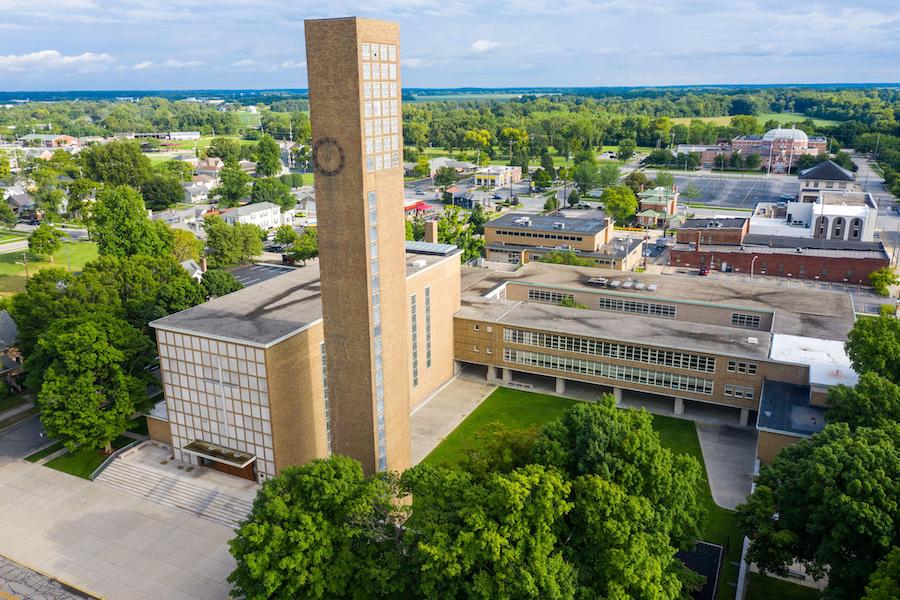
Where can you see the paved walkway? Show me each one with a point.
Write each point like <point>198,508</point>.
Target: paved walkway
<point>109,543</point>
<point>21,583</point>
<point>729,453</point>
<point>434,419</point>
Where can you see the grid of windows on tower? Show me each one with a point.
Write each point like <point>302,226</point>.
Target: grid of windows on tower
<point>637,375</point>
<point>217,392</point>
<point>376,330</point>
<point>414,324</point>
<point>744,320</point>
<point>325,397</point>
<point>427,327</point>
<point>566,343</point>
<point>381,106</point>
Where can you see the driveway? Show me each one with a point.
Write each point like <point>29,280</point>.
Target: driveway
<point>21,439</point>
<point>729,453</point>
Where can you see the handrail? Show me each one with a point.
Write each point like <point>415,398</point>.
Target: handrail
<point>112,456</point>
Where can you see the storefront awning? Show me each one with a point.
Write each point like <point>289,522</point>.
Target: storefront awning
<point>221,454</point>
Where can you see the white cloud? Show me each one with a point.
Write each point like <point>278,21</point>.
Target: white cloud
<point>244,62</point>
<point>142,66</point>
<point>174,63</point>
<point>481,46</point>
<point>293,64</point>
<point>44,60</point>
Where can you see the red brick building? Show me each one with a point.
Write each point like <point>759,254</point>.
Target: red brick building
<point>714,231</point>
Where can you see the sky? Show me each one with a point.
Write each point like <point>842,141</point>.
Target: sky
<point>234,44</point>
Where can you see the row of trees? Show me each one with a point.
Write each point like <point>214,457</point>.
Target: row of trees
<point>830,500</point>
<point>590,506</point>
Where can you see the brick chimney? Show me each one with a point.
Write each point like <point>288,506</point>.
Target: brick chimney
<point>431,231</point>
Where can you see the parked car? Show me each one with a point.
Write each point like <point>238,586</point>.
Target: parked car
<point>420,192</point>
<point>703,272</point>
<point>276,248</point>
<point>495,197</point>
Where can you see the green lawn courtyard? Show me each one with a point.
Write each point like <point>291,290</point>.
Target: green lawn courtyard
<point>522,410</point>
<point>72,255</point>
<point>84,461</point>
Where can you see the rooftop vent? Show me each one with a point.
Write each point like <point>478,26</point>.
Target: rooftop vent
<point>752,340</point>
<point>559,225</point>
<point>419,263</point>
<point>526,221</point>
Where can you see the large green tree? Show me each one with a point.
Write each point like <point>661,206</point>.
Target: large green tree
<point>228,149</point>
<point>586,176</point>
<point>116,163</point>
<point>185,245</point>
<point>322,530</point>
<point>830,502</point>
<point>216,282</point>
<point>230,244</point>
<point>885,581</point>
<point>45,240</point>
<point>873,402</point>
<point>874,345</point>
<point>90,388</point>
<point>620,202</point>
<point>268,157</point>
<point>161,191</point>
<point>608,174</point>
<point>272,190</point>
<point>121,227</point>
<point>234,185</point>
<point>7,216</point>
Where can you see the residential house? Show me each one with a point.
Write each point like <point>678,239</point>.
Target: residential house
<point>210,166</point>
<point>265,215</point>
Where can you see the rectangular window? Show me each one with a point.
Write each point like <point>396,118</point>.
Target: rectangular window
<point>414,326</point>
<point>744,320</point>
<point>737,391</point>
<point>427,327</point>
<point>684,383</point>
<point>741,367</point>
<point>637,307</point>
<point>325,398</point>
<point>548,296</point>
<point>579,345</point>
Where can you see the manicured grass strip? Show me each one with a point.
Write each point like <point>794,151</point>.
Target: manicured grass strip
<point>22,416</point>
<point>45,452</point>
<point>84,461</point>
<point>760,587</point>
<point>12,274</point>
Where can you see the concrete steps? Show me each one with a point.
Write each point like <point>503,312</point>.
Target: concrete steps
<point>176,492</point>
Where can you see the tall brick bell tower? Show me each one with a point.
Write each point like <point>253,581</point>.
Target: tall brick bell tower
<point>354,97</point>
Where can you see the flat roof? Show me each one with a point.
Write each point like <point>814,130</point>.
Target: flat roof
<point>548,223</point>
<point>267,312</point>
<point>790,241</point>
<point>838,198</point>
<point>785,408</point>
<point>798,311</point>
<point>800,243</point>
<point>827,359</point>
<point>715,223</point>
<point>619,248</point>
<point>622,327</point>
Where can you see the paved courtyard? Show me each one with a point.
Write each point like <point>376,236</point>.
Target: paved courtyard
<point>18,582</point>
<point>109,543</point>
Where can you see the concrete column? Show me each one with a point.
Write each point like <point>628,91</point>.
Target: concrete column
<point>457,367</point>
<point>560,385</point>
<point>679,406</point>
<point>507,375</point>
<point>745,416</point>
<point>617,392</point>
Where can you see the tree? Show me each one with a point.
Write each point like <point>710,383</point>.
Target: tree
<point>216,282</point>
<point>547,163</point>
<point>752,161</point>
<point>5,170</point>
<point>445,177</point>
<point>874,345</point>
<point>162,191</point>
<point>872,402</point>
<point>620,202</point>
<point>829,502</point>
<point>626,149</point>
<point>272,190</point>
<point>885,581</point>
<point>233,187</point>
<point>322,530</point>
<point>120,225</point>
<point>179,169</point>
<point>881,279</point>
<point>454,514</point>
<point>116,163</point>
<point>45,241</point>
<point>422,168</point>
<point>249,240</point>
<point>637,181</point>
<point>7,216</point>
<point>585,176</point>
<point>609,174</point>
<point>566,257</point>
<point>89,390</point>
<point>79,191</point>
<point>551,204</point>
<point>228,149</point>
<point>185,245</point>
<point>573,198</point>
<point>691,192</point>
<point>541,179</point>
<point>664,179</point>
<point>454,228</point>
<point>307,246</point>
<point>477,219</point>
<point>268,157</point>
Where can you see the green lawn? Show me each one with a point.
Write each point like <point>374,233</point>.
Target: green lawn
<point>12,274</point>
<point>521,410</point>
<point>85,461</point>
<point>760,587</point>
<point>11,236</point>
<point>45,452</point>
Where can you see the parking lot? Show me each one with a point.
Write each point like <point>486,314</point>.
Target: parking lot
<point>252,274</point>
<point>735,191</point>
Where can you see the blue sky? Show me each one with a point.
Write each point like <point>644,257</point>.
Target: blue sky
<point>177,44</point>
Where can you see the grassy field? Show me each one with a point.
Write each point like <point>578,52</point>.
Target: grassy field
<point>781,118</point>
<point>83,462</point>
<point>11,236</point>
<point>760,587</point>
<point>522,410</point>
<point>12,274</point>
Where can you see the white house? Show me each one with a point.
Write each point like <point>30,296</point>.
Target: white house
<point>262,214</point>
<point>832,215</point>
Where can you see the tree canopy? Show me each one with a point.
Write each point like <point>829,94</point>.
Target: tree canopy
<point>116,163</point>
<point>216,282</point>
<point>271,189</point>
<point>874,345</point>
<point>161,191</point>
<point>268,157</point>
<point>45,240</point>
<point>873,402</point>
<point>620,202</point>
<point>121,227</point>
